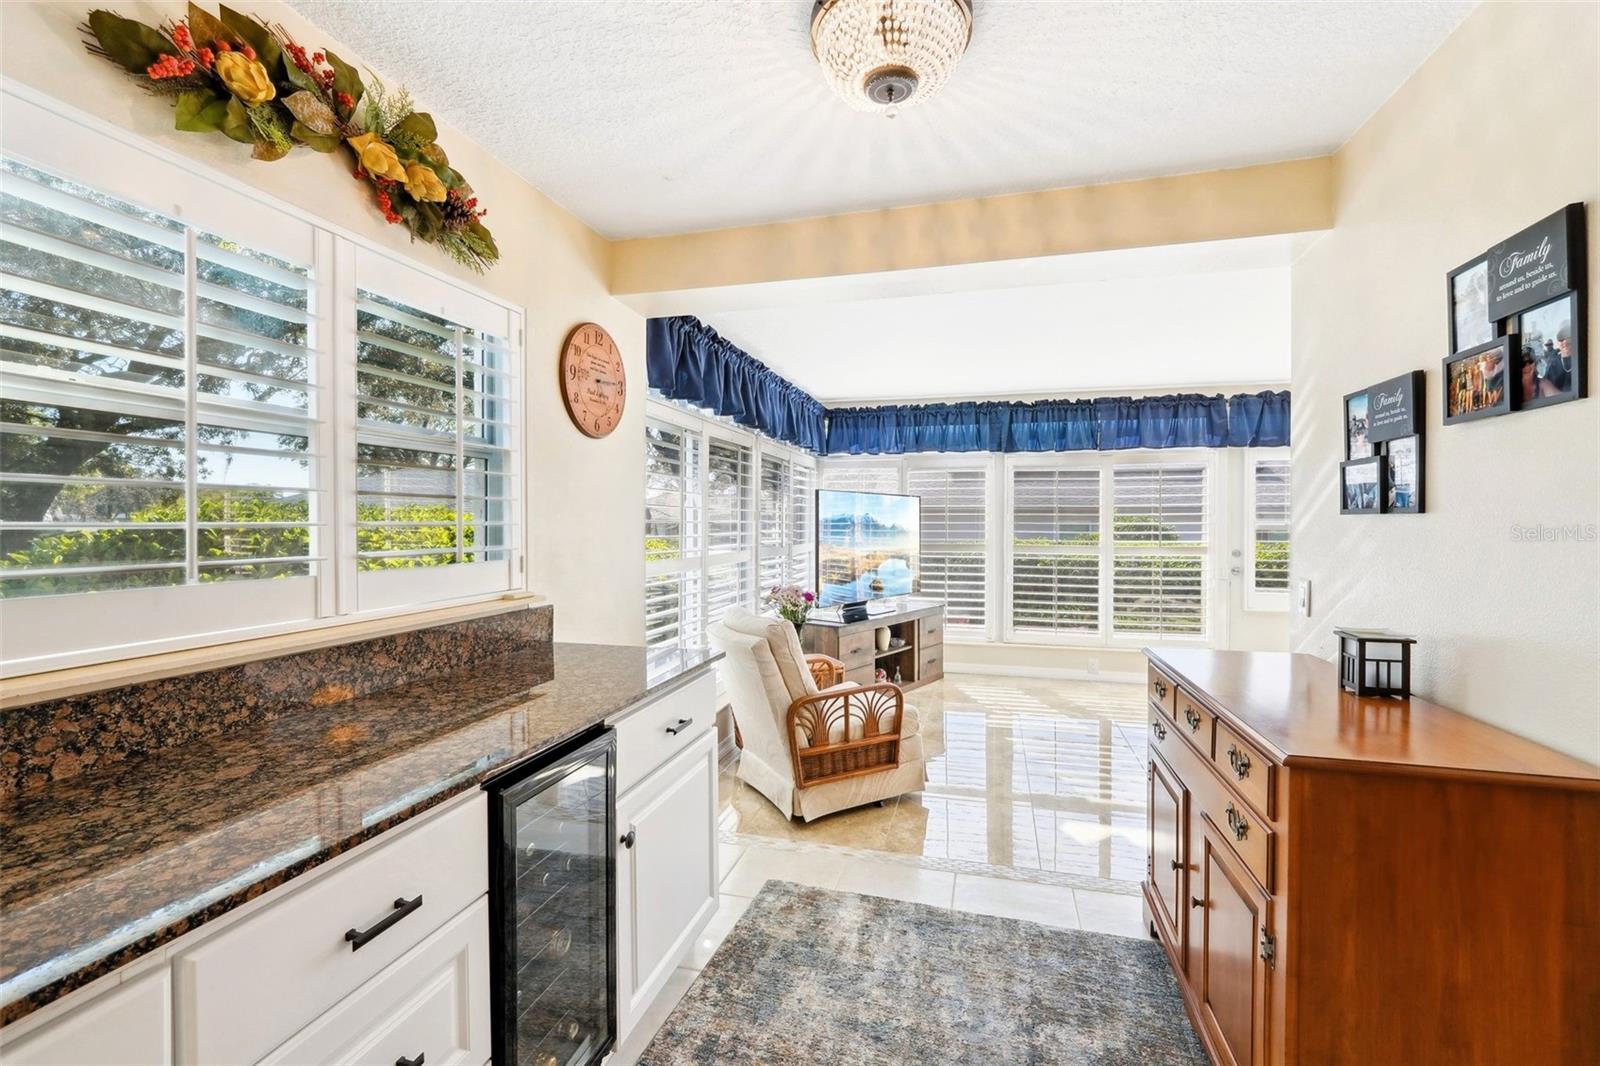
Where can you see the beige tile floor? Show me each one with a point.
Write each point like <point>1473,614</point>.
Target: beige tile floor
<point>1033,777</point>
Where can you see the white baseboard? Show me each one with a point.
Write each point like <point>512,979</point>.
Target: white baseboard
<point>1061,673</point>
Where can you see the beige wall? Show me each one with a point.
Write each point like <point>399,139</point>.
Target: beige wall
<point>584,496</point>
<point>1498,129</point>
<point>1291,197</point>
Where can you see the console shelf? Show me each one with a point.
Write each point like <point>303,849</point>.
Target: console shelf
<point>920,624</point>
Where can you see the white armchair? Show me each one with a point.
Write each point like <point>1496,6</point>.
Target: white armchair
<point>810,748</point>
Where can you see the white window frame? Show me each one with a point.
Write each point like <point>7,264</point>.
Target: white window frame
<point>59,631</point>
<point>1259,599</point>
<point>709,428</point>
<point>984,462</point>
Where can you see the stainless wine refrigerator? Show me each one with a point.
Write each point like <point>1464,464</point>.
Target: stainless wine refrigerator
<point>552,920</point>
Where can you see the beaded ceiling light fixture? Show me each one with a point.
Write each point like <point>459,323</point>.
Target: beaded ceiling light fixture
<point>883,55</point>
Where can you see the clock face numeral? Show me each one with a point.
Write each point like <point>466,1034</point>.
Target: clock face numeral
<point>593,380</point>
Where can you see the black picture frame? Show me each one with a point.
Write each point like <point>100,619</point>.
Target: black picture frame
<point>1348,418</point>
<point>1538,263</point>
<point>1378,465</point>
<point>1532,326</point>
<point>1491,329</point>
<point>1504,345</point>
<point>1395,407</point>
<point>1399,447</point>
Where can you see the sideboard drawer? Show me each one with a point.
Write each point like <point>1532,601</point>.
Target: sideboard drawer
<point>931,630</point>
<point>858,647</point>
<point>1194,721</point>
<point>1241,828</point>
<point>650,736</point>
<point>1163,690</point>
<point>244,991</point>
<point>1245,768</point>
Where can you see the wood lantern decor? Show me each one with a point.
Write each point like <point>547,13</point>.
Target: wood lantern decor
<point>1374,662</point>
<point>594,386</point>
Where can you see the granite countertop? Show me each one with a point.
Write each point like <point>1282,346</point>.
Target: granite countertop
<point>103,868</point>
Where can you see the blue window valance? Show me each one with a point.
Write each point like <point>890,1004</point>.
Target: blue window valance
<point>688,360</point>
<point>1105,423</point>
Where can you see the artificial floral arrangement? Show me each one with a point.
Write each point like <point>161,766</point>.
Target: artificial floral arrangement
<point>792,603</point>
<point>249,80</point>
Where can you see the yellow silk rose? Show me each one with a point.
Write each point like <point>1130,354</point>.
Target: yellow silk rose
<point>378,158</point>
<point>423,184</point>
<point>245,78</point>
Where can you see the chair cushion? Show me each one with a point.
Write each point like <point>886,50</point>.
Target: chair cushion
<point>783,642</point>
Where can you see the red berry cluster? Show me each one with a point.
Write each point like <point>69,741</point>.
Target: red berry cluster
<point>180,33</point>
<point>312,65</point>
<point>170,67</point>
<point>469,206</point>
<point>207,57</point>
<point>385,202</point>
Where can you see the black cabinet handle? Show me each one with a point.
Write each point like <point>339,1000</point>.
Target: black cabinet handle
<point>1176,865</point>
<point>403,1061</point>
<point>1196,901</point>
<point>682,724</point>
<point>628,838</point>
<point>360,937</point>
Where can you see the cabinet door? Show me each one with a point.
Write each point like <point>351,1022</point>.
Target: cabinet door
<point>130,1026</point>
<point>1169,835</point>
<point>666,873</point>
<point>1234,916</point>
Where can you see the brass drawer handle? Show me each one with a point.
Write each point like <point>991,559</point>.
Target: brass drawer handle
<point>1191,716</point>
<point>1161,730</point>
<point>1161,689</point>
<point>1239,761</point>
<point>1237,823</point>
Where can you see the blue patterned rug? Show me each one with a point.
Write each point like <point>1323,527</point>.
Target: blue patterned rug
<point>813,976</point>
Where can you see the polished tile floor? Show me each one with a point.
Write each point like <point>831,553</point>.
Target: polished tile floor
<point>1026,774</point>
<point>1034,810</point>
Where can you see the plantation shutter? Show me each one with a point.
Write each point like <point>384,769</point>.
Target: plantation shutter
<point>729,529</point>
<point>1270,492</point>
<point>859,477</point>
<point>803,528</point>
<point>435,417</point>
<point>1055,553</point>
<point>1158,541</point>
<point>157,397</point>
<point>774,518</point>
<point>671,537</point>
<point>953,563</point>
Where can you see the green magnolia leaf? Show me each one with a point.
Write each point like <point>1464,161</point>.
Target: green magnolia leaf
<point>345,78</point>
<point>131,44</point>
<point>435,155</point>
<point>200,111</point>
<point>236,124</point>
<point>258,37</point>
<point>266,151</point>
<point>312,139</point>
<point>207,29</point>
<point>299,78</point>
<point>479,230</point>
<point>312,113</point>
<point>430,220</point>
<point>417,126</point>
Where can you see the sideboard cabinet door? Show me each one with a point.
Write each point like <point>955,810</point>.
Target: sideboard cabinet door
<point>1234,914</point>
<point>1169,834</point>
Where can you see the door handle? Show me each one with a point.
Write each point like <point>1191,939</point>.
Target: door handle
<point>359,938</point>
<point>679,726</point>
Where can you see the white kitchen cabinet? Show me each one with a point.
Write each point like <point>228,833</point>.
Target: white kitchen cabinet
<point>666,872</point>
<point>131,1025</point>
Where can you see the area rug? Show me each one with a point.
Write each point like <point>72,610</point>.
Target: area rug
<point>812,976</point>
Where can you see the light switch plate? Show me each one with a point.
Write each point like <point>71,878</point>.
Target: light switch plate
<point>1303,598</point>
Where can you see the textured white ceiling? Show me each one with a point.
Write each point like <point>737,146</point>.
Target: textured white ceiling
<point>1176,317</point>
<point>665,116</point>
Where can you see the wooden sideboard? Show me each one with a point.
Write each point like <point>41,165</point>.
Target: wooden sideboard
<point>920,658</point>
<point>1365,881</point>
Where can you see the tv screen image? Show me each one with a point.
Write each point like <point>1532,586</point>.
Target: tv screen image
<point>867,545</point>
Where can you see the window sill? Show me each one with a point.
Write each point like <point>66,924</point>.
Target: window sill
<point>74,681</point>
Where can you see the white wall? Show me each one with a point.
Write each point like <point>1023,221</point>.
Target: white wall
<point>1497,129</point>
<point>584,496</point>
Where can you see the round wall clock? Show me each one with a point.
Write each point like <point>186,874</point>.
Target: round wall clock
<point>593,384</point>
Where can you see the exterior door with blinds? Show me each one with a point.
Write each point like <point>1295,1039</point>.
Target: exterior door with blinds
<point>775,522</point>
<point>1267,576</point>
<point>672,537</point>
<point>1159,540</point>
<point>954,560</point>
<point>436,410</point>
<point>802,526</point>
<point>1056,543</point>
<point>730,534</point>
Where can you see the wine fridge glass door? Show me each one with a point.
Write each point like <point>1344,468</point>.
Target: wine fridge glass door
<point>557,920</point>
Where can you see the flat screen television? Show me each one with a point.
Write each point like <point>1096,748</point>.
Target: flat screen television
<point>867,545</point>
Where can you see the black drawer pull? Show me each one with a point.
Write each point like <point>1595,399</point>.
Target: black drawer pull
<point>679,726</point>
<point>403,1061</point>
<point>360,937</point>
